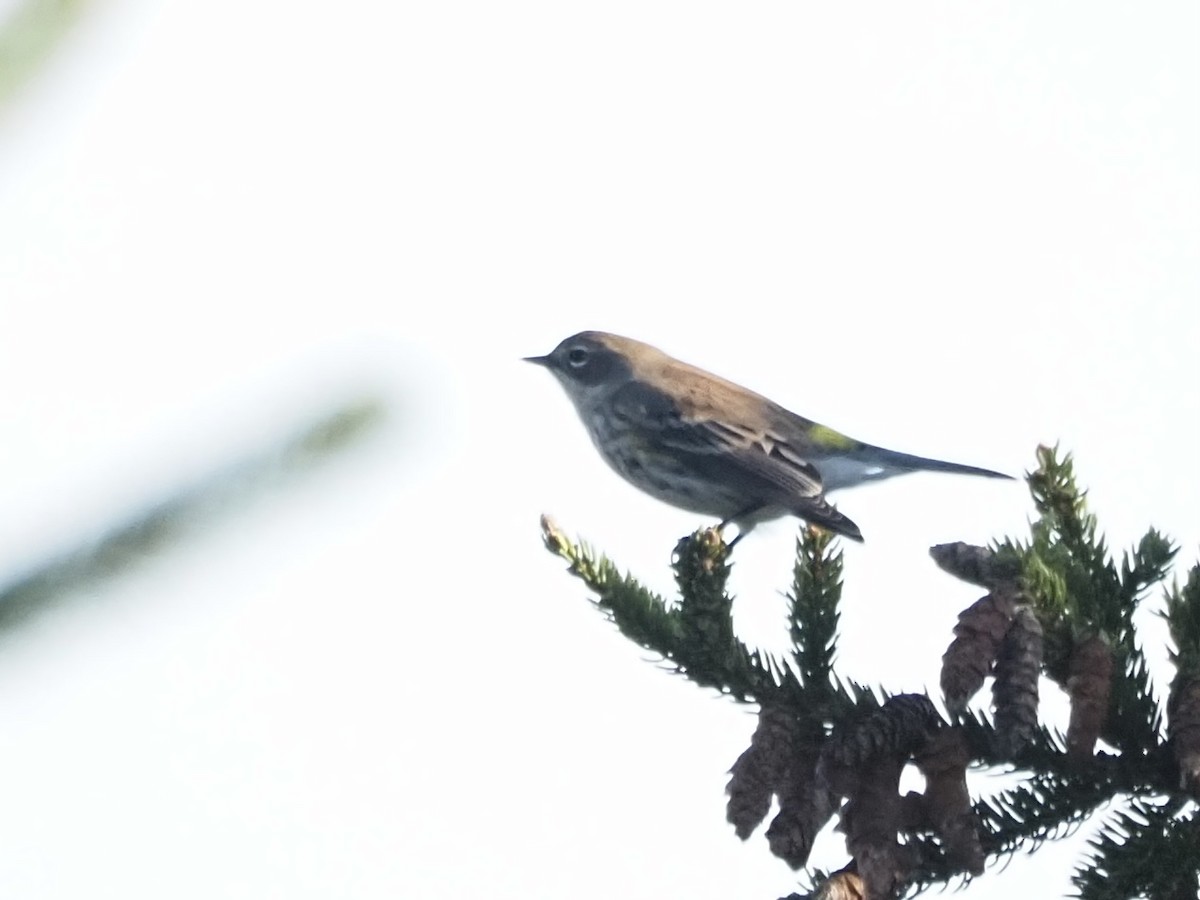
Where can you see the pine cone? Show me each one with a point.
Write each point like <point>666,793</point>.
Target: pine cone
<point>1089,684</point>
<point>1015,691</point>
<point>871,822</point>
<point>977,636</point>
<point>761,769</point>
<point>780,760</point>
<point>947,804</point>
<point>804,808</point>
<point>897,729</point>
<point>976,565</point>
<point>1183,730</point>
<point>863,762</point>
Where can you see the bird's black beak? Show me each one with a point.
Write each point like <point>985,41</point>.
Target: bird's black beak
<point>538,360</point>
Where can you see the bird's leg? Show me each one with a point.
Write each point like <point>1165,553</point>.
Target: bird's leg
<point>744,521</point>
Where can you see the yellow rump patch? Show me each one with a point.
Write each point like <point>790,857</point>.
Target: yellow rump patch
<point>824,436</point>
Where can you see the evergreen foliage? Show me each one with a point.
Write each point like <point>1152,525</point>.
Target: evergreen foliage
<point>1059,605</point>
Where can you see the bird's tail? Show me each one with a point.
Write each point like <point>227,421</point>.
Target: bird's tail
<point>866,463</point>
<point>907,462</point>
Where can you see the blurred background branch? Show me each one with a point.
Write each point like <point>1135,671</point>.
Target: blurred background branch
<point>151,529</point>
<point>28,34</point>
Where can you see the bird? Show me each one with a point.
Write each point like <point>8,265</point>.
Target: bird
<point>706,445</point>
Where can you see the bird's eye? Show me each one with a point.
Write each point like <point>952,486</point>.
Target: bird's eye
<point>577,356</point>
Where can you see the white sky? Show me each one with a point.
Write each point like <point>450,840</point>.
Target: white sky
<point>953,229</point>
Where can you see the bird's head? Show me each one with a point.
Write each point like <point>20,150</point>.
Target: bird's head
<point>591,364</point>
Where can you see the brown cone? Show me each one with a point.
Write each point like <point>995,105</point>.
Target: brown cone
<point>1089,684</point>
<point>804,809</point>
<point>1183,730</point>
<point>871,822</point>
<point>947,804</point>
<point>1015,691</point>
<point>898,728</point>
<point>977,637</point>
<point>975,565</point>
<point>761,769</point>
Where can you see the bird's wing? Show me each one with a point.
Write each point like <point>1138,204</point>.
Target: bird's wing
<point>763,459</point>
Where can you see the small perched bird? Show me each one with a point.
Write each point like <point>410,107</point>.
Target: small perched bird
<point>704,444</point>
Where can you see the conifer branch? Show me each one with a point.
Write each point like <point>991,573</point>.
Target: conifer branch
<point>1058,604</point>
<point>813,608</point>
